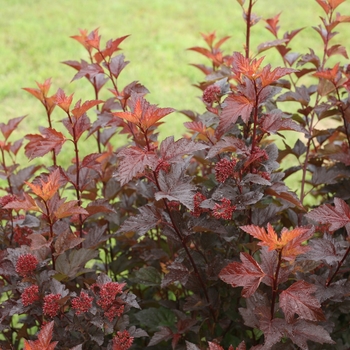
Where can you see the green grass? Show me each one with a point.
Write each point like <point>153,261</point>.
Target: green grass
<point>35,39</point>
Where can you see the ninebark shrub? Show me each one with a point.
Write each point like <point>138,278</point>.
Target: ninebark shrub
<point>202,242</point>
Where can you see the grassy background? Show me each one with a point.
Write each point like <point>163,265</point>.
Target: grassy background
<point>34,36</point>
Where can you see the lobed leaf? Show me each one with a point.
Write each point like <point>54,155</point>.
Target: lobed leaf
<point>247,274</point>
<point>39,145</point>
<point>299,299</point>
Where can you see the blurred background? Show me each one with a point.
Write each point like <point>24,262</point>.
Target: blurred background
<point>34,37</point>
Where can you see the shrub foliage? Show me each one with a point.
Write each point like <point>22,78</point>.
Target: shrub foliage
<point>228,238</point>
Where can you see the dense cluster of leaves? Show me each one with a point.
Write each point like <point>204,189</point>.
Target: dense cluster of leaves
<point>145,245</point>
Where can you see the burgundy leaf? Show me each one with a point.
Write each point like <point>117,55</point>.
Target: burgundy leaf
<point>39,145</point>
<point>174,186</point>
<point>147,219</point>
<point>235,106</point>
<point>134,160</point>
<point>299,299</point>
<point>164,333</point>
<point>337,216</point>
<point>117,64</point>
<point>172,152</point>
<point>247,274</point>
<point>176,272</point>
<point>7,129</point>
<point>90,70</point>
<point>302,331</point>
<point>228,144</point>
<point>65,241</point>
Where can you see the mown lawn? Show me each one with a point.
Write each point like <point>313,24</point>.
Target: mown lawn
<point>34,38</point>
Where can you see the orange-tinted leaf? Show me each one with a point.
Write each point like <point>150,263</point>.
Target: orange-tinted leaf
<point>93,39</point>
<point>44,339</point>
<point>82,38</point>
<point>111,47</point>
<point>28,203</point>
<point>46,190</point>
<point>324,4</point>
<point>221,41</point>
<point>68,209</point>
<point>79,110</point>
<point>205,52</point>
<point>329,74</point>
<point>299,299</point>
<point>209,38</point>
<point>143,114</point>
<point>39,145</point>
<point>245,66</point>
<point>63,101</point>
<point>274,242</point>
<point>247,274</point>
<point>268,77</point>
<point>42,92</point>
<point>335,3</point>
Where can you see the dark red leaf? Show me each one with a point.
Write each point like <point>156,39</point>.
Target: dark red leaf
<point>39,145</point>
<point>302,331</point>
<point>117,64</point>
<point>165,333</point>
<point>90,70</point>
<point>299,299</point>
<point>235,106</point>
<point>337,216</point>
<point>8,128</point>
<point>134,160</point>
<point>272,25</point>
<point>68,209</point>
<point>173,151</point>
<point>147,219</point>
<point>247,274</point>
<point>270,44</point>
<point>174,186</point>
<point>175,272</point>
<point>337,50</point>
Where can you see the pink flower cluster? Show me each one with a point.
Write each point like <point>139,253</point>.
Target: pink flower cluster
<point>30,295</point>
<point>122,341</point>
<point>82,304</point>
<point>111,305</point>
<point>224,210</point>
<point>224,169</point>
<point>51,305</point>
<point>26,264</point>
<point>211,94</point>
<point>198,199</point>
